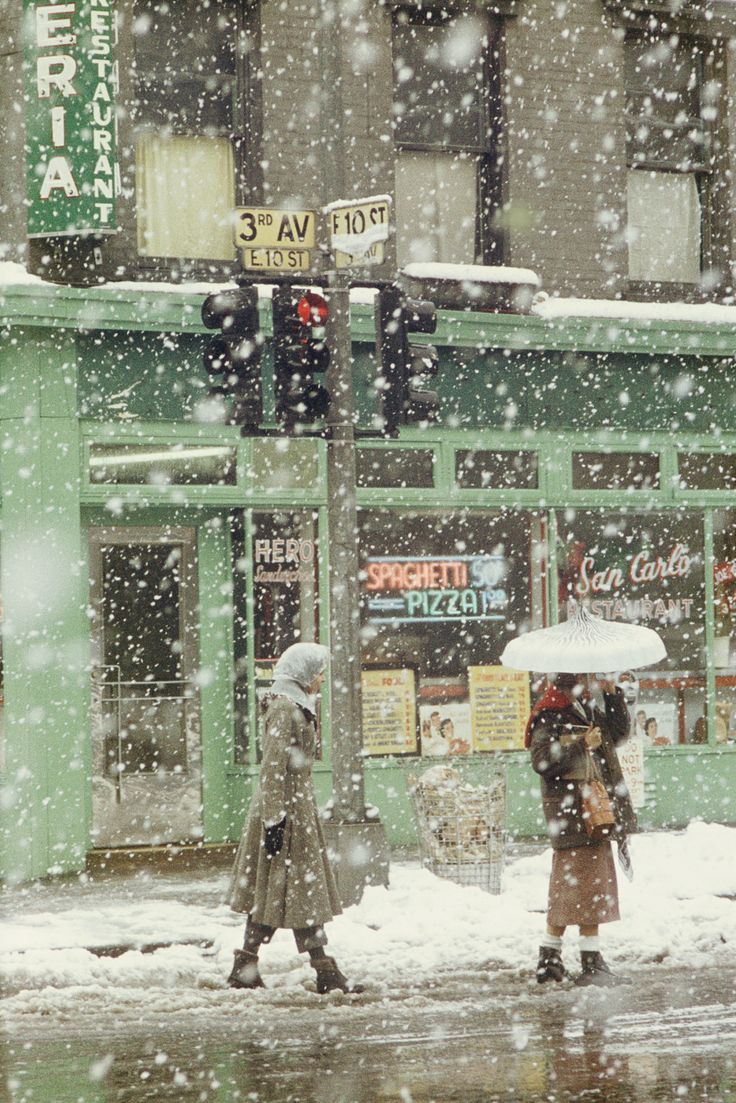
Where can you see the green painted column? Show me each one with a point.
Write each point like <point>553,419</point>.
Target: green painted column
<point>45,805</point>
<point>221,820</point>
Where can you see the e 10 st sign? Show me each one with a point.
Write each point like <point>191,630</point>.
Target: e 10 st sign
<point>70,83</point>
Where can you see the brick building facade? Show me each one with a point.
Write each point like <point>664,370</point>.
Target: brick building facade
<point>552,91</point>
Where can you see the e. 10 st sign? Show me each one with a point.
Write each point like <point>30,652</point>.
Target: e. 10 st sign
<point>70,82</point>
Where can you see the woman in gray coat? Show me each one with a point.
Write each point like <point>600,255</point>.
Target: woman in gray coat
<point>282,876</point>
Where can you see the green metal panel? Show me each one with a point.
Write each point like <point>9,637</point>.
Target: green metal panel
<point>216,675</point>
<point>47,802</point>
<point>250,642</point>
<point>173,310</point>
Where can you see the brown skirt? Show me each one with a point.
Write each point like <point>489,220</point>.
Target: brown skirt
<point>582,887</point>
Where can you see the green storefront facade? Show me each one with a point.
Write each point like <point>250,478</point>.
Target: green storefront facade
<point>590,457</point>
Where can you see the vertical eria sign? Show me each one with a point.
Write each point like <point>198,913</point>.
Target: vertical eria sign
<point>70,83</point>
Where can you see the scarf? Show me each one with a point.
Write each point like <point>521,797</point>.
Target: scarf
<point>296,670</point>
<point>552,700</point>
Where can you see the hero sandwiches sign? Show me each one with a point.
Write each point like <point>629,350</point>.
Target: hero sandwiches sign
<point>70,84</point>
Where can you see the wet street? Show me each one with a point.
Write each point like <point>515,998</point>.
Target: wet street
<point>492,1036</point>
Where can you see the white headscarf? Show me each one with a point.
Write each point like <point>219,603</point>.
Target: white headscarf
<point>296,670</point>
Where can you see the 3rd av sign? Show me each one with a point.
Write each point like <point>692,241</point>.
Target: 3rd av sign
<point>274,240</point>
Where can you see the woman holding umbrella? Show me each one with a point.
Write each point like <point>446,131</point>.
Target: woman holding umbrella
<point>571,740</point>
<point>572,744</point>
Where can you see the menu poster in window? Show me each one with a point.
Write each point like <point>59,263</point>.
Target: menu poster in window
<point>445,728</point>
<point>389,711</point>
<point>499,707</point>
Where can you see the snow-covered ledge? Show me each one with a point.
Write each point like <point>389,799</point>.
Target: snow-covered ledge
<point>551,308</point>
<point>485,288</point>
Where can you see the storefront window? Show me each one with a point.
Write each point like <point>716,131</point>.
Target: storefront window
<point>724,642</point>
<point>161,465</point>
<point>441,595</point>
<point>645,568</point>
<point>395,468</point>
<point>283,558</point>
<point>706,470</point>
<point>481,469</point>
<point>615,471</point>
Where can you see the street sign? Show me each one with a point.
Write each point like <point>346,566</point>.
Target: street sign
<point>277,260</point>
<point>267,227</point>
<point>375,255</point>
<point>358,229</point>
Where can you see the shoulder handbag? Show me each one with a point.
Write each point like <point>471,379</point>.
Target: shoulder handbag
<point>598,814</point>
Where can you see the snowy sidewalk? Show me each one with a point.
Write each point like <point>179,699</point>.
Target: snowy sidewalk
<point>679,911</point>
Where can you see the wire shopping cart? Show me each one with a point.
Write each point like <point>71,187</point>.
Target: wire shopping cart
<point>461,828</point>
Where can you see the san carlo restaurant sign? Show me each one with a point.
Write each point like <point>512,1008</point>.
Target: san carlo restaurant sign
<point>70,84</point>
<point>436,588</point>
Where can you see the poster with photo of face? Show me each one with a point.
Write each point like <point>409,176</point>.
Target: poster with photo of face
<point>445,729</point>
<point>659,723</point>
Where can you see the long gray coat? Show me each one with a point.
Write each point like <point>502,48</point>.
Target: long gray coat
<point>296,888</point>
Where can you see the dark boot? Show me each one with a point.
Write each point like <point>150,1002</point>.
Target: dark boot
<point>549,966</point>
<point>329,977</point>
<point>245,971</point>
<point>595,971</point>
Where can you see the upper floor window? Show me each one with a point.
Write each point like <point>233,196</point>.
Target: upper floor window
<point>447,130</point>
<point>185,96</point>
<point>671,104</point>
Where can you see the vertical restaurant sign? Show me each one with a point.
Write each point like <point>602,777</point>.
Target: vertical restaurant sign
<point>499,707</point>
<point>70,85</point>
<point>389,711</point>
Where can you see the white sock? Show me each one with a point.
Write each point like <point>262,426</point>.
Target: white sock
<point>589,943</point>
<point>554,942</point>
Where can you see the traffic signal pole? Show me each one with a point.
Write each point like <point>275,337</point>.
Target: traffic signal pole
<point>347,762</point>
<point>357,843</point>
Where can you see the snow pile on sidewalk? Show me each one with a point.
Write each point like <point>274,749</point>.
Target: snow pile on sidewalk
<point>680,910</point>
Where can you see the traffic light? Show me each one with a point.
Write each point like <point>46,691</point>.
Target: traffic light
<point>233,360</point>
<point>405,369</point>
<point>299,353</point>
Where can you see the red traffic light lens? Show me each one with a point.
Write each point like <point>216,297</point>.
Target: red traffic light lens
<point>312,309</point>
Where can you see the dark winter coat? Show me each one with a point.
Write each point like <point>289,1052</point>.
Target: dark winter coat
<point>296,888</point>
<point>559,756</point>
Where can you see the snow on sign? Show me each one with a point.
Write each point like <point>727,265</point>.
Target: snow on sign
<point>274,240</point>
<point>71,166</point>
<point>358,229</point>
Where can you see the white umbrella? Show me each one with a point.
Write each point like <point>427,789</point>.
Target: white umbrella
<point>585,645</point>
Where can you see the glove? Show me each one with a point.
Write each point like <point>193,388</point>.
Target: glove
<point>274,838</point>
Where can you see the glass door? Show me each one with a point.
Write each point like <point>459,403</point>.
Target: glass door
<point>146,732</point>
